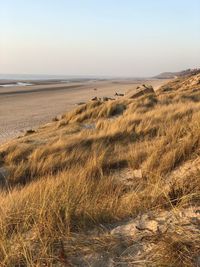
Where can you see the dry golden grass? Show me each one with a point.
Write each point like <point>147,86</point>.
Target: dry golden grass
<point>67,181</point>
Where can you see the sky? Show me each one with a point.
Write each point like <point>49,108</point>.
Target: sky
<point>99,37</point>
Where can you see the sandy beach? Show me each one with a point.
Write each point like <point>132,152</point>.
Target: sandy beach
<point>23,108</point>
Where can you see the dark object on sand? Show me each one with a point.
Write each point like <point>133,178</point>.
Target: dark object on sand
<point>94,98</point>
<point>30,131</point>
<point>117,94</point>
<point>55,119</point>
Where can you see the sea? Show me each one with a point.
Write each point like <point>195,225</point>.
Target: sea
<point>7,80</point>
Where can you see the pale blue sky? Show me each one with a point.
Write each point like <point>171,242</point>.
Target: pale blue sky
<point>99,37</point>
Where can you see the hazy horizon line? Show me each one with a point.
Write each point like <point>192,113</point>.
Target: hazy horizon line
<point>68,76</point>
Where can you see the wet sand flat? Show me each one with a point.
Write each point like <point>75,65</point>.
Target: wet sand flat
<point>22,108</point>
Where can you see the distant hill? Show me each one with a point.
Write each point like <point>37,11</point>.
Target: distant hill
<point>171,75</point>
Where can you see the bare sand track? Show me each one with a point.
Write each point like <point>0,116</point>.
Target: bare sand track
<point>22,108</point>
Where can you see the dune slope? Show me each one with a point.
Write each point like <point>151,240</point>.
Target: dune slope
<point>113,183</point>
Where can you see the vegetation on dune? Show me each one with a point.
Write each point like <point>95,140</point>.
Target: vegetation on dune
<point>73,180</point>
